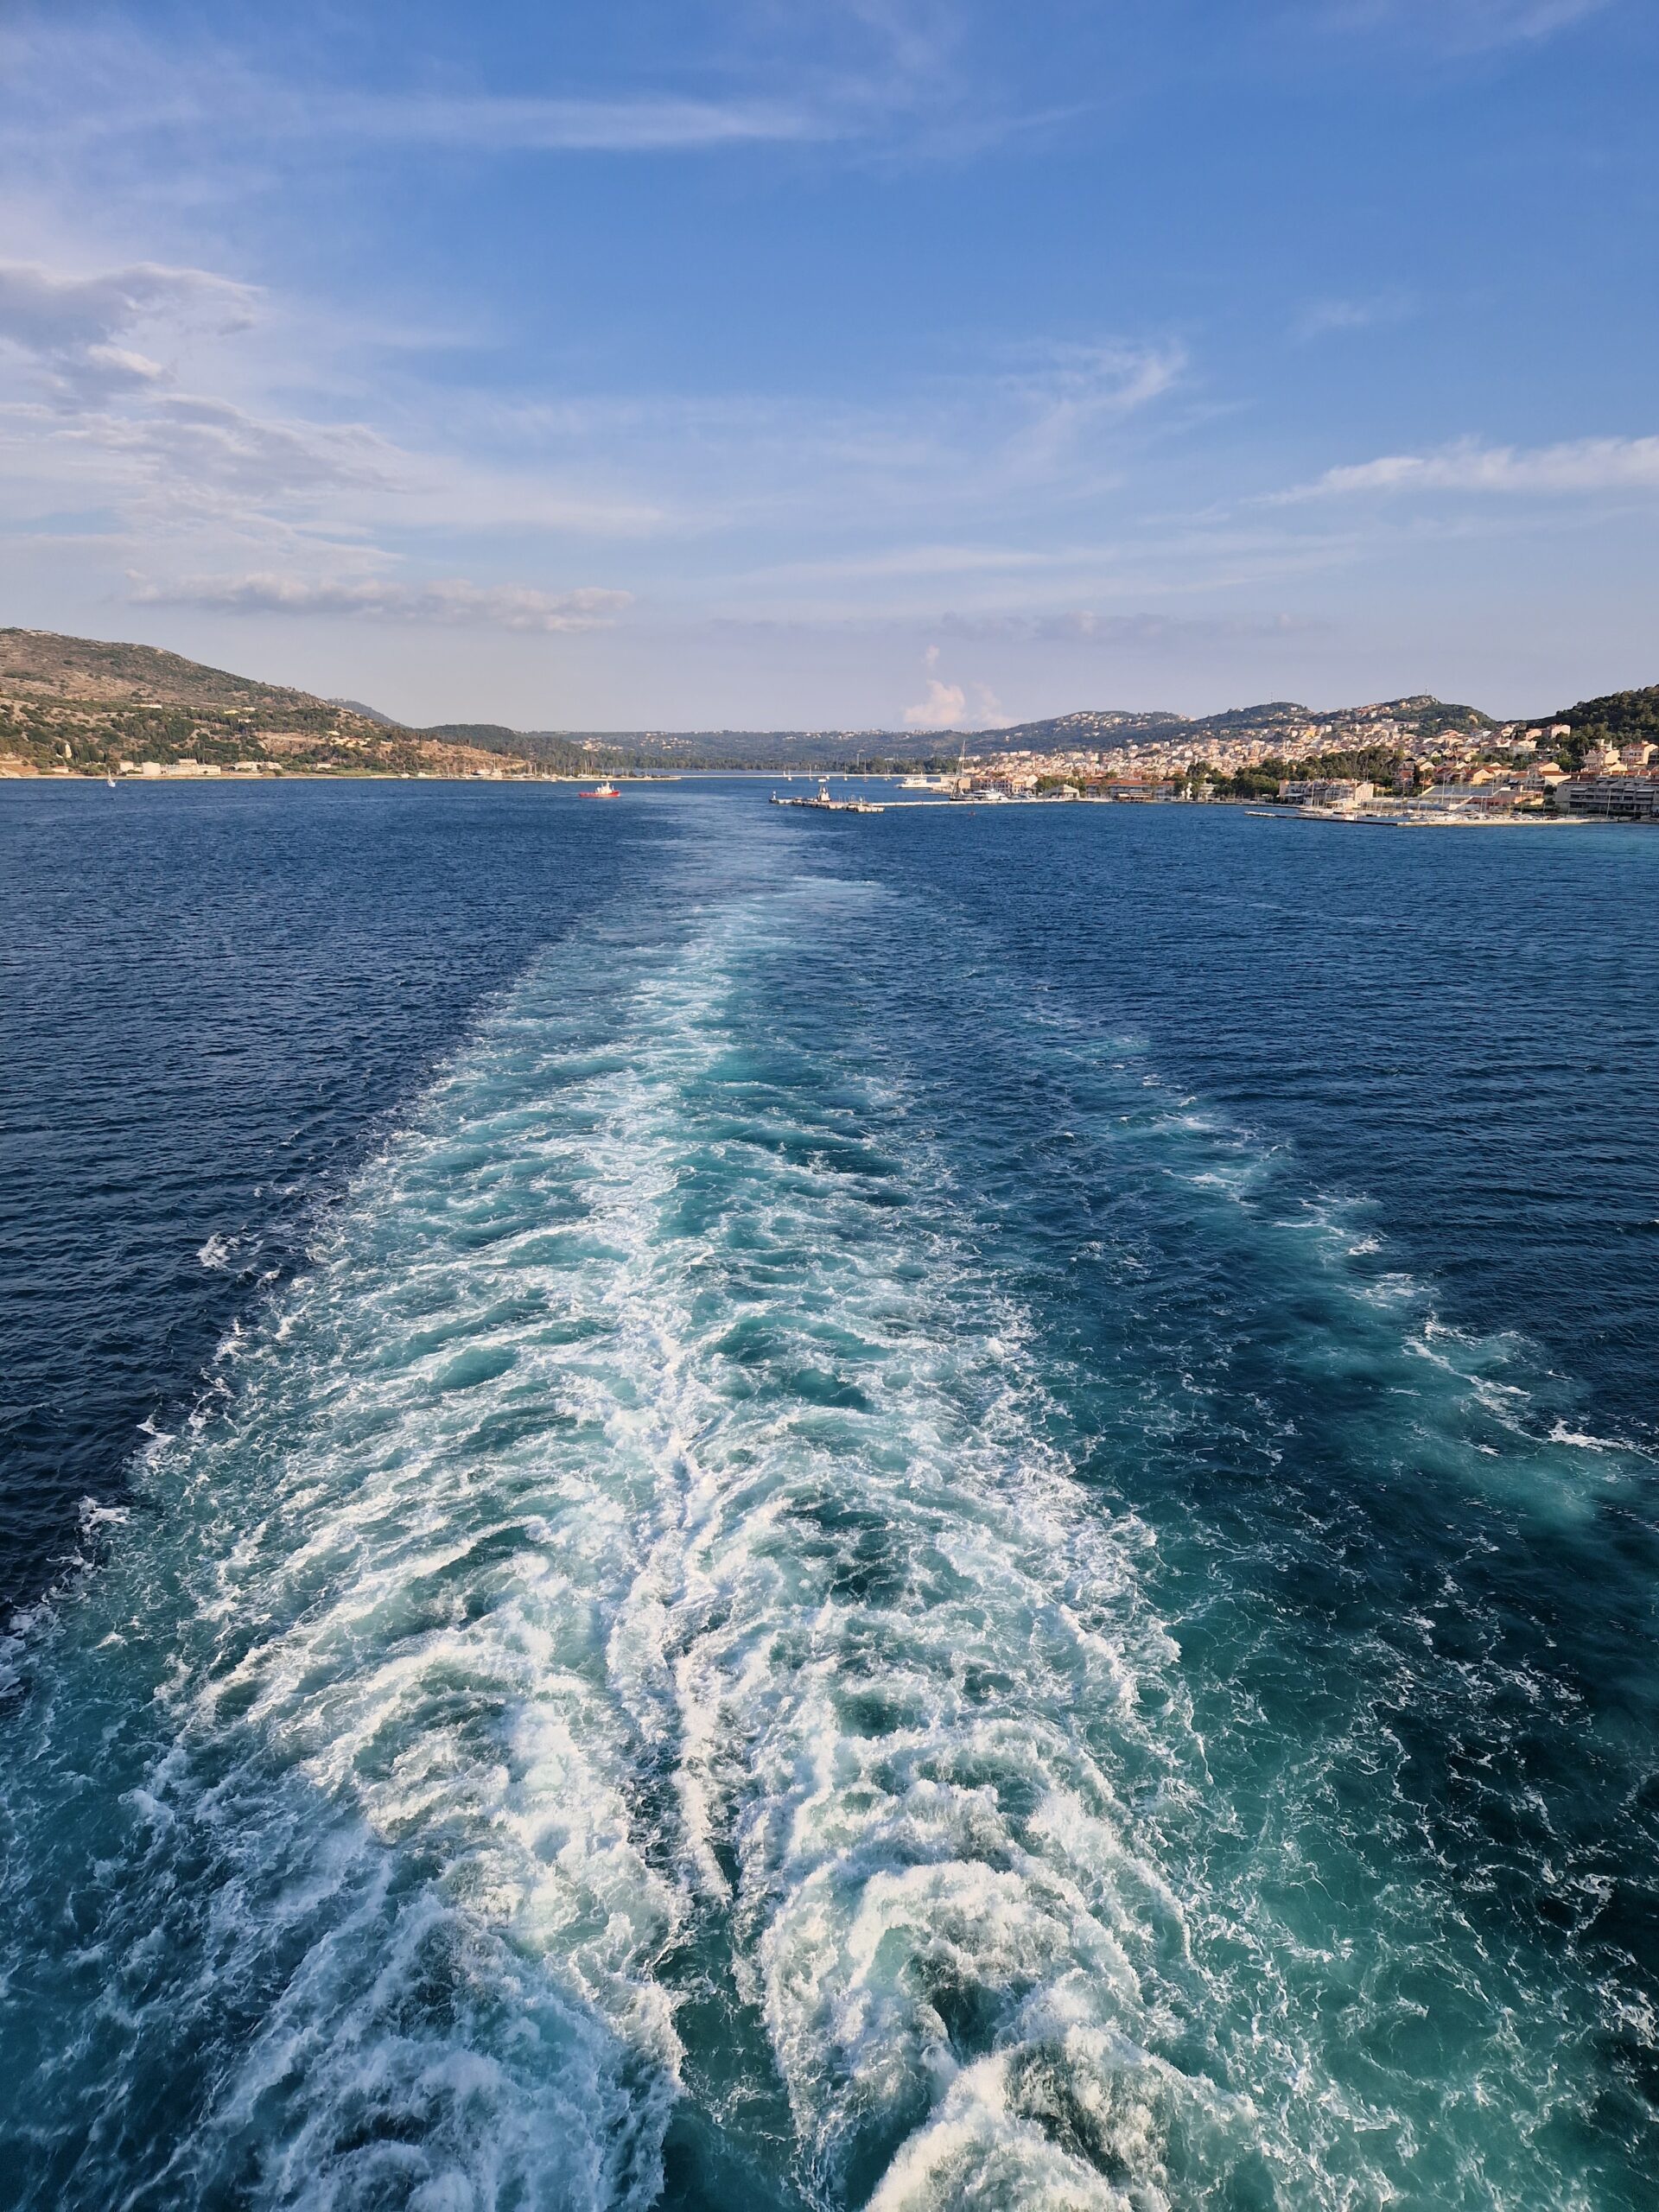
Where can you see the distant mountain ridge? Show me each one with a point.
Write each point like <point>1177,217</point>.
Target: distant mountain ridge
<point>562,754</point>
<point>84,703</point>
<point>369,714</point>
<point>1084,729</point>
<point>1108,731</point>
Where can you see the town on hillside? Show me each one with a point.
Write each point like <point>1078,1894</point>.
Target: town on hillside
<point>78,707</point>
<point>1374,762</point>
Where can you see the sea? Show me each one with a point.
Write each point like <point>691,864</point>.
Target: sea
<point>719,1507</point>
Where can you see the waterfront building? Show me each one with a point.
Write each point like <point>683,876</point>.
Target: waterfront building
<point>1623,797</point>
<point>1326,791</point>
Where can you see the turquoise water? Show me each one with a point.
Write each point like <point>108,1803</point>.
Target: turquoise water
<point>895,1538</point>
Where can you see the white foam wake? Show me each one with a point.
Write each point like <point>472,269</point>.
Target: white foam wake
<point>628,1548</point>
<point>629,1645</point>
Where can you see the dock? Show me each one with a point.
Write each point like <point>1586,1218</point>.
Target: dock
<point>823,804</point>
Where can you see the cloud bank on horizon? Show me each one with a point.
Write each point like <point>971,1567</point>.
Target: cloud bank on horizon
<point>714,364</point>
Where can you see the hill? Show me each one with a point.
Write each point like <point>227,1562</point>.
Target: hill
<point>1104,731</point>
<point>560,754</point>
<point>743,749</point>
<point>80,706</point>
<point>1088,729</point>
<point>1616,718</point>
<point>41,665</point>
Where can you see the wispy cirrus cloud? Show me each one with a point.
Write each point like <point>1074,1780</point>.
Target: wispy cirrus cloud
<point>848,73</point>
<point>208,471</point>
<point>451,601</point>
<point>1086,626</point>
<point>1579,465</point>
<point>1332,317</point>
<point>1464,26</point>
<point>181,461</point>
<point>935,449</point>
<point>508,124</point>
<point>1071,392</point>
<point>84,398</point>
<point>133,387</point>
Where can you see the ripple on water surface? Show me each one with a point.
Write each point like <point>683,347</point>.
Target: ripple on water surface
<point>730,1641</point>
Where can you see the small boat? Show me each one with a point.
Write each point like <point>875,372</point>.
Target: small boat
<point>110,780</point>
<point>600,790</point>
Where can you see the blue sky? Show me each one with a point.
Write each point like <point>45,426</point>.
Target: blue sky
<point>838,362</point>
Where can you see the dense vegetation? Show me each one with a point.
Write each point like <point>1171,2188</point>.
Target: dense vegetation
<point>1373,763</point>
<point>1617,718</point>
<point>92,737</point>
<point>559,755</point>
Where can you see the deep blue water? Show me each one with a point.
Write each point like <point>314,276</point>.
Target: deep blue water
<point>950,1510</point>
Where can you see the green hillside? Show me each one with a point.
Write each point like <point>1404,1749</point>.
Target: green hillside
<point>558,754</point>
<point>1616,718</point>
<point>80,706</point>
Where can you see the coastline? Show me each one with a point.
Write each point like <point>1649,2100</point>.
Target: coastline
<point>894,801</point>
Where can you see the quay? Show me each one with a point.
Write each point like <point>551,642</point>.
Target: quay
<point>824,805</point>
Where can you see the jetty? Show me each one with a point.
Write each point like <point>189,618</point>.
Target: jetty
<point>824,805</point>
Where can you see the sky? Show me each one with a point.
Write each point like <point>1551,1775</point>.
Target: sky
<point>857,364</point>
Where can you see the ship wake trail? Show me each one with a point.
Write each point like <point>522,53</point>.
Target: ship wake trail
<point>626,1696</point>
<point>616,1662</point>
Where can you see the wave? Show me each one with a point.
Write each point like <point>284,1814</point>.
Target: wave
<point>656,1675</point>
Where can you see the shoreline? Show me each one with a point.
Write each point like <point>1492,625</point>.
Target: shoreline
<point>892,804</point>
<point>1435,821</point>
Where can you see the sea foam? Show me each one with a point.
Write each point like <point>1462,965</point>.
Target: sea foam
<point>647,1681</point>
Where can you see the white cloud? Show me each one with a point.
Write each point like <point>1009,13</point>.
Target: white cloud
<point>944,708</point>
<point>68,327</point>
<point>992,712</point>
<point>169,459</point>
<point>88,417</point>
<point>451,602</point>
<point>143,373</point>
<point>1577,466</point>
